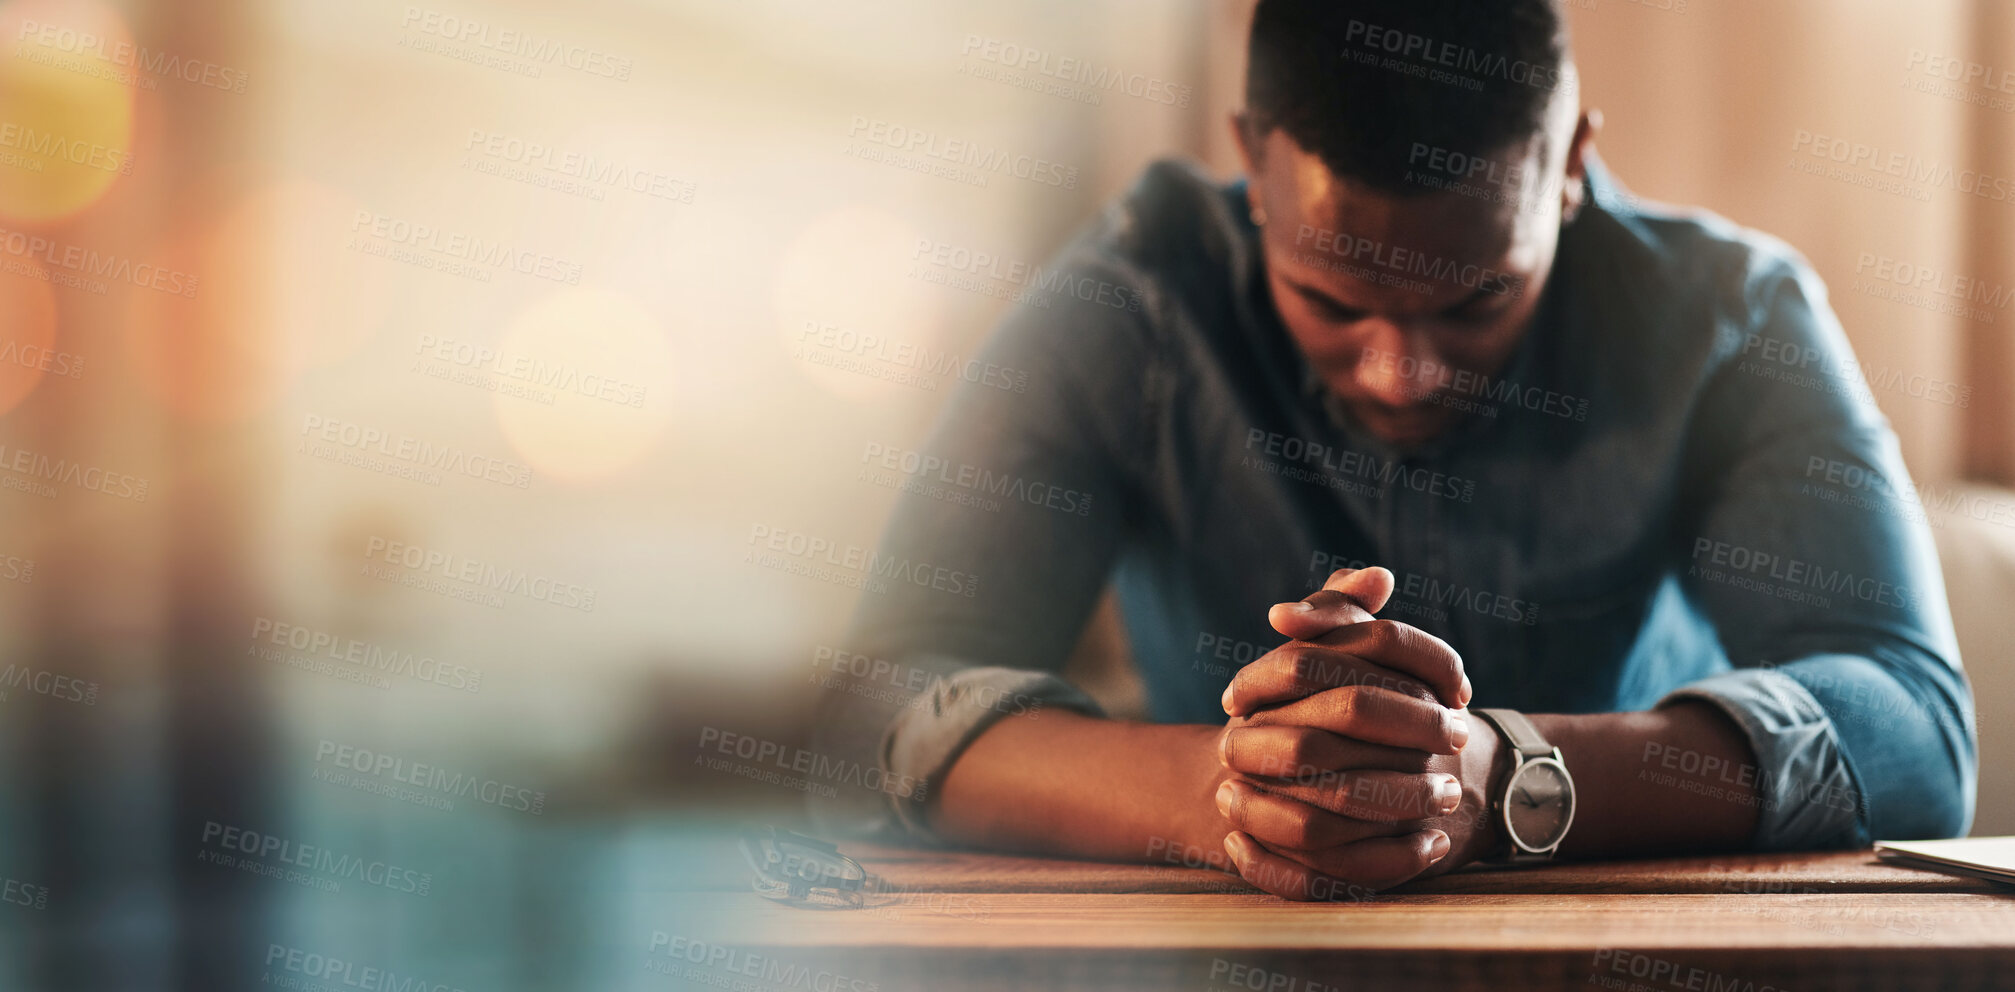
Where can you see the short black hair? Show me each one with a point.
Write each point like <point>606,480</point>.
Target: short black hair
<point>1361,83</point>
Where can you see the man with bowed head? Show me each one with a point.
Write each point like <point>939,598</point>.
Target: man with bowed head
<point>1592,609</point>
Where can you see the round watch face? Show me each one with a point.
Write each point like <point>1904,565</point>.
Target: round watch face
<point>1539,804</point>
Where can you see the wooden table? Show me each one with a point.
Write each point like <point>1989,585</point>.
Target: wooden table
<point>1725,924</point>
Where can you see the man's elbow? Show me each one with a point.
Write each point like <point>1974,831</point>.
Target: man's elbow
<point>1933,801</point>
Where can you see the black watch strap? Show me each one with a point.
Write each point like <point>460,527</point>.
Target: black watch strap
<point>1519,733</point>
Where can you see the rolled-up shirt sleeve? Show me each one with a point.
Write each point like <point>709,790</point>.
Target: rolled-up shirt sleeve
<point>1813,559</point>
<point>935,727</point>
<point>1024,490</point>
<point>1805,791</point>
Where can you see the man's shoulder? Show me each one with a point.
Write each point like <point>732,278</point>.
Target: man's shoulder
<point>1175,226</point>
<point>1665,300</point>
<point>1693,259</point>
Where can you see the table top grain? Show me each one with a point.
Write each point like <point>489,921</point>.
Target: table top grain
<point>953,919</point>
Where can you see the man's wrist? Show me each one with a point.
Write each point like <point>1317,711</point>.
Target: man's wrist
<point>1484,768</point>
<point>1197,829</point>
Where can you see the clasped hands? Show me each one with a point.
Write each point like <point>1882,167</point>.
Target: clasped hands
<point>1350,762</point>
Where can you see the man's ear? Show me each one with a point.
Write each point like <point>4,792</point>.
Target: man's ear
<point>1580,150</point>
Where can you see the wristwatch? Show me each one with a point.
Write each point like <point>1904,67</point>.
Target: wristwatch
<point>1536,806</point>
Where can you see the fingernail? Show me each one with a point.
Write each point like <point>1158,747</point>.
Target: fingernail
<point>1458,728</point>
<point>1234,848</point>
<point>1467,692</point>
<point>1226,700</point>
<point>1224,748</point>
<point>1439,849</point>
<point>1224,797</point>
<point>1449,794</point>
<point>1298,606</point>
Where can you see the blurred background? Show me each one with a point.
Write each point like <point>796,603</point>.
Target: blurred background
<point>396,400</point>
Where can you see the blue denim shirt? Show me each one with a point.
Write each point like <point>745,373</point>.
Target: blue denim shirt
<point>1678,488</point>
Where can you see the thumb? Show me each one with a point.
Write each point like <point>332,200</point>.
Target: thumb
<point>1350,596</point>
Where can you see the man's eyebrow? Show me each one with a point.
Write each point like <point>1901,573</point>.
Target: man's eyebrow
<point>1323,297</point>
<point>1481,291</point>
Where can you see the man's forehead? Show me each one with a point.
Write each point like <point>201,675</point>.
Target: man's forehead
<point>1311,202</point>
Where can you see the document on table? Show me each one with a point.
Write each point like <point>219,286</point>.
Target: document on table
<point>1983,857</point>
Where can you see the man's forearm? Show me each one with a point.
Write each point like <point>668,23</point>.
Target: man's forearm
<point>1674,780</point>
<point>1055,782</point>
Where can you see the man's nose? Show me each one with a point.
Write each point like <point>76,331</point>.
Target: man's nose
<point>1398,366</point>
